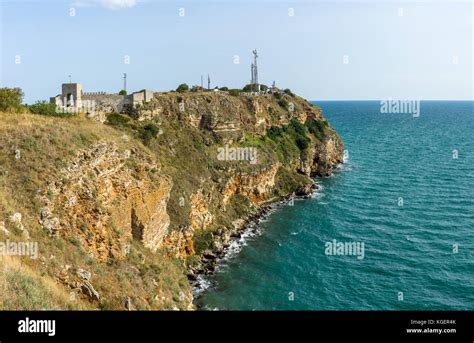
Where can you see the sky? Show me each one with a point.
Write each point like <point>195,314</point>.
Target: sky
<point>321,50</point>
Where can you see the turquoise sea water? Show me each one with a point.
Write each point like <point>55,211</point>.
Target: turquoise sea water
<point>408,248</point>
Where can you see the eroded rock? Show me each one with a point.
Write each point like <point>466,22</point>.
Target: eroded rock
<point>104,204</point>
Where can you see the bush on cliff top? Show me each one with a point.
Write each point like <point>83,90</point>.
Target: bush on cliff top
<point>235,92</point>
<point>46,109</point>
<point>289,92</point>
<point>182,88</point>
<point>11,99</point>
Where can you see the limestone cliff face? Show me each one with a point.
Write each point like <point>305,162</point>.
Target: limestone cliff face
<point>256,187</point>
<point>231,117</point>
<point>179,243</point>
<point>200,215</point>
<point>327,156</point>
<point>103,203</point>
<point>227,116</point>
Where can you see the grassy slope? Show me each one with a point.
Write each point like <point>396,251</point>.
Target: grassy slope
<point>46,144</point>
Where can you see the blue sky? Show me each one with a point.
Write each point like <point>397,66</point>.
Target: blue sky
<point>422,51</point>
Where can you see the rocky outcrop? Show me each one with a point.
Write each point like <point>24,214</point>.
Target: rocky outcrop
<point>200,215</point>
<point>327,156</point>
<point>256,187</point>
<point>100,201</point>
<point>78,282</point>
<point>179,243</point>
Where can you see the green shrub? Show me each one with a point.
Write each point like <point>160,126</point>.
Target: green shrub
<point>123,92</point>
<point>182,88</point>
<point>274,132</point>
<point>247,88</point>
<point>116,119</point>
<point>283,103</point>
<point>298,127</point>
<point>277,95</point>
<point>149,131</point>
<point>289,92</point>
<point>253,88</point>
<point>46,109</point>
<point>224,88</point>
<point>317,128</point>
<point>302,142</point>
<point>10,99</point>
<point>234,92</point>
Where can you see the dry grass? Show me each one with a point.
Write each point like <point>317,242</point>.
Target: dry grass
<point>23,288</point>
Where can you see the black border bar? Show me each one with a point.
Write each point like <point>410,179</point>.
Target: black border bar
<point>90,326</point>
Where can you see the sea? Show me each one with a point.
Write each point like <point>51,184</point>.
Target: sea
<point>391,229</point>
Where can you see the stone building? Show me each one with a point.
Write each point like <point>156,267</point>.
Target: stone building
<point>97,104</point>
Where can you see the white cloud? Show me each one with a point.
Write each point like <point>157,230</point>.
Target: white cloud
<point>117,4</point>
<point>81,3</point>
<point>108,4</point>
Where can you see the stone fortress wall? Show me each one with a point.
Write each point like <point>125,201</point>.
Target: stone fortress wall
<point>97,104</point>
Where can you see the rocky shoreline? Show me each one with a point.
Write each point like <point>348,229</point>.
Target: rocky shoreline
<point>226,242</point>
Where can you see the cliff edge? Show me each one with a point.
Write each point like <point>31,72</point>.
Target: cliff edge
<point>127,213</point>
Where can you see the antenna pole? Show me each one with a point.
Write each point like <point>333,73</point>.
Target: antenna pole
<point>255,70</point>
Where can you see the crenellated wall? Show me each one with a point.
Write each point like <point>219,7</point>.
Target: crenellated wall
<point>97,104</point>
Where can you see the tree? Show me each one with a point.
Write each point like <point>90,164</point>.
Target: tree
<point>253,88</point>
<point>182,88</point>
<point>247,88</point>
<point>224,88</point>
<point>123,92</point>
<point>10,99</point>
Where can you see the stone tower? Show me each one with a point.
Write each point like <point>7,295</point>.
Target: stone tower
<point>71,94</point>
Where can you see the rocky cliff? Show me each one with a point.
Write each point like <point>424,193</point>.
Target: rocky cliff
<point>101,201</point>
<point>145,201</point>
